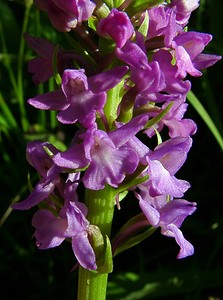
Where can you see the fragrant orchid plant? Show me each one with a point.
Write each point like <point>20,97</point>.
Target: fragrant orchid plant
<point>123,90</point>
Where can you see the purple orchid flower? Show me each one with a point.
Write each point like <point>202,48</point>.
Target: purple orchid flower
<point>116,25</point>
<point>65,15</point>
<point>80,97</point>
<point>51,180</point>
<point>51,230</point>
<point>163,163</point>
<point>149,81</point>
<point>162,27</point>
<point>132,54</point>
<point>188,47</point>
<point>42,66</point>
<point>177,125</point>
<point>169,216</point>
<point>109,155</point>
<point>154,81</point>
<point>109,163</point>
<point>148,78</point>
<point>183,9</point>
<point>40,160</point>
<point>174,85</point>
<point>73,158</point>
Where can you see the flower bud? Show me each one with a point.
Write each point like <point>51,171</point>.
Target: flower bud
<point>65,15</point>
<point>116,25</point>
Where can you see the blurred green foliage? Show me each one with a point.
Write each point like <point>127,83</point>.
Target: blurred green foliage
<point>149,270</point>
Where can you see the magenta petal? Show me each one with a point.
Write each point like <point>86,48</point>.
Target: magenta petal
<point>68,115</point>
<point>83,107</point>
<point>174,84</point>
<point>53,100</point>
<point>73,158</point>
<point>104,81</point>
<point>176,211</point>
<point>163,183</point>
<point>183,9</point>
<point>39,193</point>
<point>74,82</point>
<point>132,54</point>
<point>203,61</point>
<point>64,15</point>
<point>184,127</point>
<point>117,25</point>
<point>172,153</point>
<point>149,211</point>
<point>39,159</point>
<point>109,164</point>
<point>75,219</point>
<point>127,131</point>
<point>85,10</point>
<point>50,229</point>
<point>110,167</point>
<point>148,79</point>
<point>84,251</point>
<point>193,42</point>
<point>186,248</point>
<point>185,64</point>
<point>41,68</point>
<point>41,46</point>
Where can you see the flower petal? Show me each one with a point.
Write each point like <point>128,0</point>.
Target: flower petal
<point>186,248</point>
<point>149,211</point>
<point>163,183</point>
<point>104,81</point>
<point>50,229</point>
<point>175,211</point>
<point>41,191</point>
<point>49,101</point>
<point>84,251</point>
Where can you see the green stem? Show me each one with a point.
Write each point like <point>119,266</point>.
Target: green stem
<point>92,285</point>
<point>53,119</point>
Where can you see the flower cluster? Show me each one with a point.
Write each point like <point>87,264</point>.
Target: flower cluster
<point>119,102</point>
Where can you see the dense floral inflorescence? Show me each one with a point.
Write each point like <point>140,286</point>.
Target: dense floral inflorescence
<point>131,93</point>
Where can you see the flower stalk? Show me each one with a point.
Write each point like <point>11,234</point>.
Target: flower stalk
<point>91,286</point>
<point>101,209</point>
